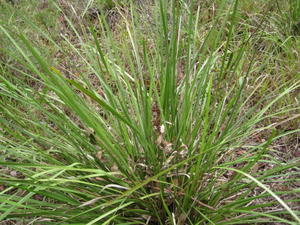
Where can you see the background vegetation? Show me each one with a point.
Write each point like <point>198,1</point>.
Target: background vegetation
<point>149,112</point>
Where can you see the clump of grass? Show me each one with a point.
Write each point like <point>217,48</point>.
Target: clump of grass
<point>154,131</point>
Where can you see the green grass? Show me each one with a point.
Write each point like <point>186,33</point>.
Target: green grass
<point>167,112</point>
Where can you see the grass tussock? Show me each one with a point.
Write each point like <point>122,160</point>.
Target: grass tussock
<point>154,112</point>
